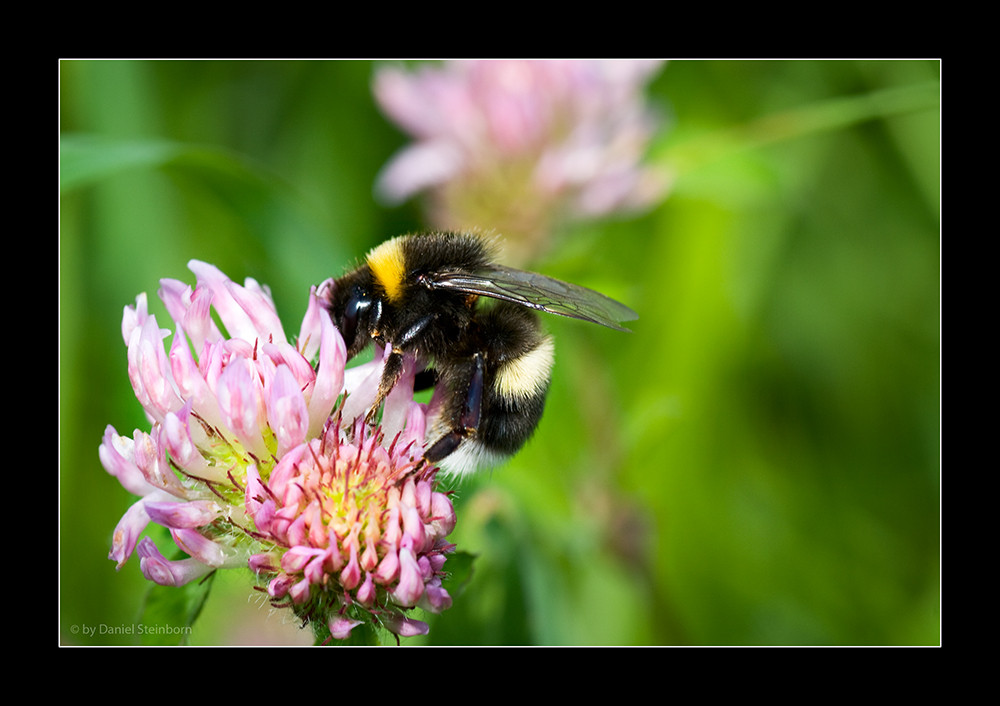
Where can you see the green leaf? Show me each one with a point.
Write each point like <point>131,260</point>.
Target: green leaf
<point>86,159</point>
<point>459,569</point>
<point>168,612</point>
<point>271,209</point>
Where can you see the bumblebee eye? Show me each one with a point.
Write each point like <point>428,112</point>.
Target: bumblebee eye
<point>357,304</point>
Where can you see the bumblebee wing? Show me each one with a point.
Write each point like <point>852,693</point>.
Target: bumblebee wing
<point>537,292</point>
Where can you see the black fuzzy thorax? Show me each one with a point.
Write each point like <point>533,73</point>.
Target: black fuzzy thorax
<point>425,255</point>
<point>443,252</point>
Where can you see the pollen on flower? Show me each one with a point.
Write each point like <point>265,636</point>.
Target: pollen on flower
<point>359,523</point>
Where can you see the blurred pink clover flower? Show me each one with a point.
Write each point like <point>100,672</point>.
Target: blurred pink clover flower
<point>521,145</point>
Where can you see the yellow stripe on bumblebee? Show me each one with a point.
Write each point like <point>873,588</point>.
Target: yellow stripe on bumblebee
<point>388,266</point>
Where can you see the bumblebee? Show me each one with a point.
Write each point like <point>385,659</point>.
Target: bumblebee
<point>490,366</point>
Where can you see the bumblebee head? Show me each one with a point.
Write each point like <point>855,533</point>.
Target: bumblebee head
<point>364,301</point>
<point>356,309</point>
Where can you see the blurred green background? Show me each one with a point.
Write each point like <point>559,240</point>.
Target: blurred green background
<point>757,464</point>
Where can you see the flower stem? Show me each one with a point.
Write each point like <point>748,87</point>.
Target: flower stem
<point>824,116</point>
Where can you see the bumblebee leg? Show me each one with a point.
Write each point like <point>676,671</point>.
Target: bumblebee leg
<point>391,372</point>
<point>415,330</point>
<point>443,447</point>
<point>466,422</point>
<point>393,369</point>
